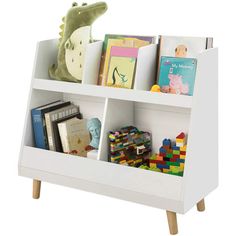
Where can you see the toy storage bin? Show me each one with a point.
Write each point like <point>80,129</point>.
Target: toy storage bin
<point>90,107</point>
<point>161,121</point>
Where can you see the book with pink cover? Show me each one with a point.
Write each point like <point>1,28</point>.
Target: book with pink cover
<point>122,67</point>
<point>120,41</point>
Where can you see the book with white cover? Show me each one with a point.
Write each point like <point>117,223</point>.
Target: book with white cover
<point>74,136</point>
<point>56,115</point>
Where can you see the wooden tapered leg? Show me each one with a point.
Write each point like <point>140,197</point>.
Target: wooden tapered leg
<point>201,205</point>
<point>172,221</point>
<point>36,188</point>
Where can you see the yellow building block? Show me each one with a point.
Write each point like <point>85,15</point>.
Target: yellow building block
<point>166,170</point>
<point>153,165</point>
<point>181,166</point>
<point>180,140</point>
<point>182,156</point>
<point>183,148</point>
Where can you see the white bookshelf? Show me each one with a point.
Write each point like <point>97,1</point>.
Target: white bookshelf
<point>164,115</point>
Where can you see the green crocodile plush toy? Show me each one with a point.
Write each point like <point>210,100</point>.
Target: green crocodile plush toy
<point>76,33</point>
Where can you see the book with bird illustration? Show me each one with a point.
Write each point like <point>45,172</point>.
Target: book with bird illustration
<point>122,67</point>
<point>111,40</point>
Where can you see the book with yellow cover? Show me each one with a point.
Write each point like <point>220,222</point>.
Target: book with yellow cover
<point>122,67</point>
<point>122,41</point>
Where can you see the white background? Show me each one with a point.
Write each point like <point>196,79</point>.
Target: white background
<point>65,211</point>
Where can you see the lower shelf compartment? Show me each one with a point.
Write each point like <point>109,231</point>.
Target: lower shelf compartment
<point>123,182</point>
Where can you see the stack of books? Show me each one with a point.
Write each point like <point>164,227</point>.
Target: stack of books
<point>119,57</point>
<point>58,126</point>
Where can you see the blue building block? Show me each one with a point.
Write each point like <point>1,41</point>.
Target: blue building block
<point>166,142</point>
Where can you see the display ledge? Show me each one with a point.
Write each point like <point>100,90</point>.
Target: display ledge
<point>127,183</point>
<point>115,93</point>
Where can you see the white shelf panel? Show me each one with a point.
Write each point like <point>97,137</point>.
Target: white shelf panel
<point>108,92</point>
<point>128,183</point>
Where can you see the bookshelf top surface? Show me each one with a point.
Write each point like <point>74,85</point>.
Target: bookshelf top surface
<point>114,93</point>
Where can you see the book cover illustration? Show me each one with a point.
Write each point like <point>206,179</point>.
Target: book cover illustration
<point>188,47</point>
<point>122,41</point>
<point>177,75</point>
<point>74,136</point>
<point>122,67</point>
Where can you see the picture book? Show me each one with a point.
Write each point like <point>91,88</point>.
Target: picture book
<point>189,47</point>
<point>57,139</point>
<point>122,41</point>
<point>186,47</point>
<point>122,67</point>
<point>177,75</point>
<point>53,116</point>
<point>74,136</point>
<point>38,122</point>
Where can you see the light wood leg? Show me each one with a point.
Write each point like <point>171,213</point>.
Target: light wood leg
<point>172,221</point>
<point>201,205</point>
<point>36,188</point>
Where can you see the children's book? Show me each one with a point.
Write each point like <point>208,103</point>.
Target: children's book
<point>57,139</point>
<point>177,75</point>
<point>189,47</point>
<point>38,122</point>
<point>74,136</point>
<point>122,41</point>
<point>186,47</point>
<point>122,67</point>
<point>53,116</point>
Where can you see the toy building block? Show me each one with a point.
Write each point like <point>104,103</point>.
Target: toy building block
<point>176,152</point>
<point>152,165</point>
<point>166,143</point>
<point>160,166</point>
<point>179,144</point>
<point>176,148</point>
<point>182,156</point>
<point>183,153</point>
<point>166,170</point>
<point>169,155</point>
<point>159,158</point>
<point>183,148</point>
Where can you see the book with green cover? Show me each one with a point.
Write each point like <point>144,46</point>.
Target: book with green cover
<point>177,75</point>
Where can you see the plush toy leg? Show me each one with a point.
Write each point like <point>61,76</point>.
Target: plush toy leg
<point>172,221</point>
<point>36,188</point>
<point>201,205</point>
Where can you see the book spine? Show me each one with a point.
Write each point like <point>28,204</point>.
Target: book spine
<point>39,134</point>
<point>49,132</point>
<point>64,139</point>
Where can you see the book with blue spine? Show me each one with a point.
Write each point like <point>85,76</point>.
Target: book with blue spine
<point>177,75</point>
<point>38,122</point>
